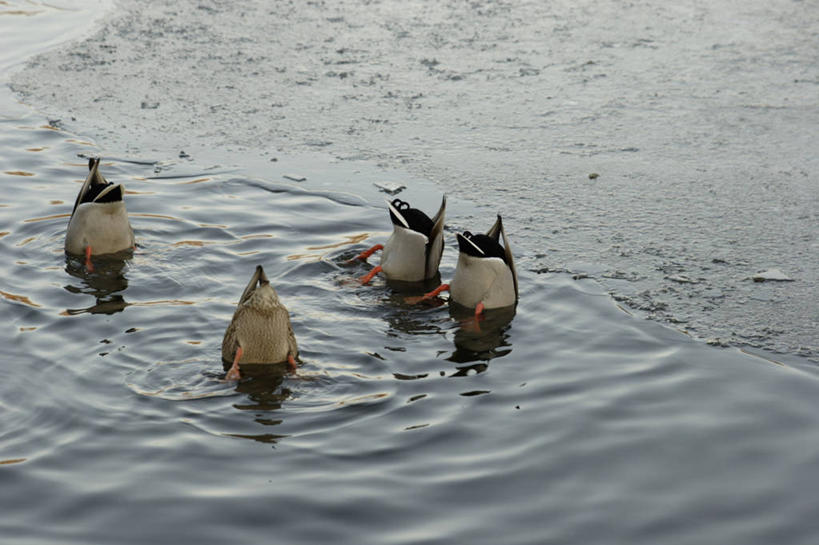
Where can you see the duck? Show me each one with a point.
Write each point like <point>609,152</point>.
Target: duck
<point>99,221</point>
<point>260,331</point>
<point>413,251</point>
<point>485,276</point>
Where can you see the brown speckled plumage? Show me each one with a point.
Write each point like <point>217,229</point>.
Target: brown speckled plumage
<point>260,325</point>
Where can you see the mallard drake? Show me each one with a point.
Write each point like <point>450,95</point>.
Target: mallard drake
<point>260,331</point>
<point>99,222</point>
<point>485,276</point>
<point>413,251</point>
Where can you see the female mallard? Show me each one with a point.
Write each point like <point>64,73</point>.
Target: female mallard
<point>260,331</point>
<point>485,276</point>
<point>413,251</point>
<point>99,222</point>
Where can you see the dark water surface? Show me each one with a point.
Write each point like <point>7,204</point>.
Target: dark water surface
<point>573,421</point>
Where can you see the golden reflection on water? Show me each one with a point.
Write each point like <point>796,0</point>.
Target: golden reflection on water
<point>159,216</point>
<point>350,239</point>
<point>13,461</point>
<point>183,396</point>
<point>362,399</point>
<point>173,302</point>
<point>20,299</point>
<point>21,12</point>
<point>47,218</point>
<point>36,149</point>
<point>18,173</point>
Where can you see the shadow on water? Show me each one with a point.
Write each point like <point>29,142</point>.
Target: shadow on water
<point>482,339</point>
<point>105,283</point>
<point>263,393</point>
<point>476,340</point>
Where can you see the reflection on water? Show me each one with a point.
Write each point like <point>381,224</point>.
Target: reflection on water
<point>262,386</point>
<point>481,339</point>
<point>103,284</point>
<point>262,389</point>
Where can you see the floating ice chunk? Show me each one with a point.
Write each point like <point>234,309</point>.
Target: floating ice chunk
<point>682,279</point>
<point>771,275</point>
<point>390,188</point>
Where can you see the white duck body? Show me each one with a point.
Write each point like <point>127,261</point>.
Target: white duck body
<point>102,222</point>
<point>480,276</point>
<point>482,279</point>
<point>409,255</point>
<point>403,255</point>
<point>260,325</point>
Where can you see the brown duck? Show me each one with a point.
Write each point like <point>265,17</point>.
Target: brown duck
<point>260,331</point>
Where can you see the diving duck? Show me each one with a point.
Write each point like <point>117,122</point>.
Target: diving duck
<point>485,276</point>
<point>260,331</point>
<point>413,251</point>
<point>99,222</point>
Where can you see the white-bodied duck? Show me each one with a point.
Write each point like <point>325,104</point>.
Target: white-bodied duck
<point>413,251</point>
<point>99,222</point>
<point>260,331</point>
<point>485,276</point>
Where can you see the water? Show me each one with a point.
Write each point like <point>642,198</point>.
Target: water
<point>573,421</point>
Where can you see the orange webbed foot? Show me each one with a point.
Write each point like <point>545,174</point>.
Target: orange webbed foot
<point>370,275</point>
<point>414,299</point>
<point>367,253</point>
<point>233,373</point>
<point>88,265</point>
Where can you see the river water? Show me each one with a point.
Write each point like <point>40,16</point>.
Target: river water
<point>598,413</point>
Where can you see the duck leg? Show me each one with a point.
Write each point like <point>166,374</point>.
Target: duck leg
<point>369,276</point>
<point>414,299</point>
<point>291,363</point>
<point>367,253</point>
<point>479,309</point>
<point>233,372</point>
<point>88,265</point>
<point>436,291</point>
